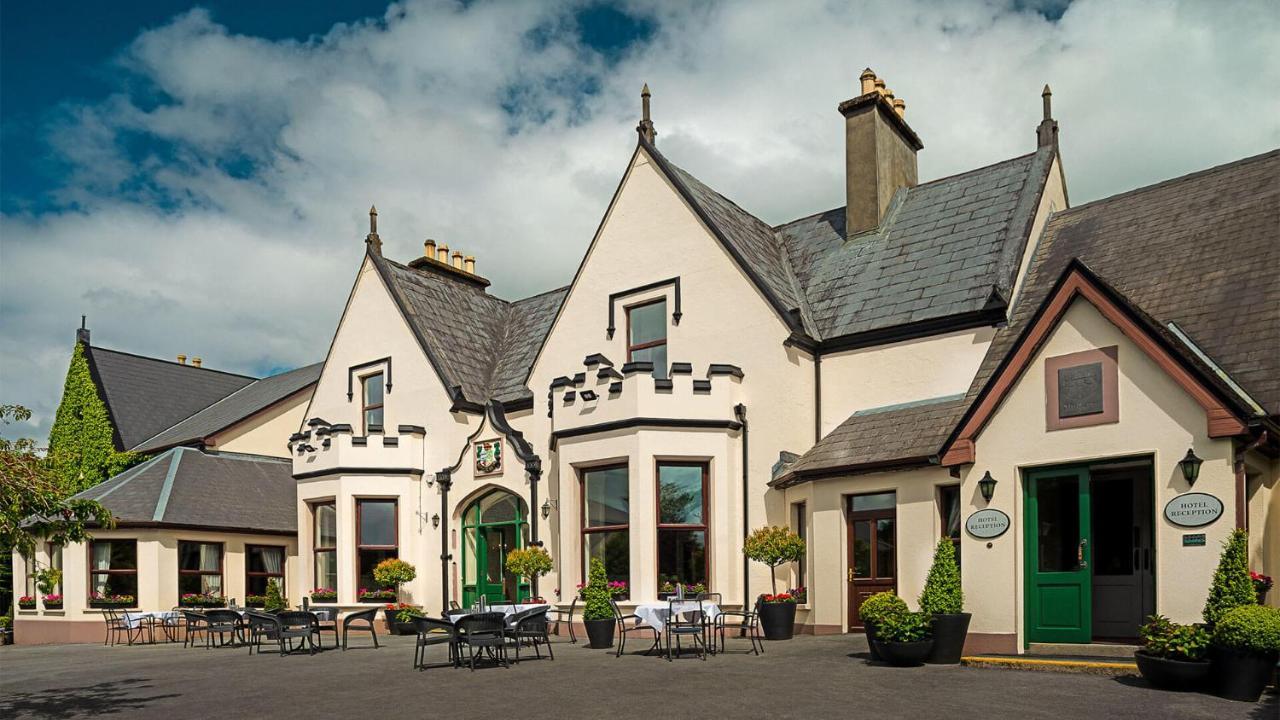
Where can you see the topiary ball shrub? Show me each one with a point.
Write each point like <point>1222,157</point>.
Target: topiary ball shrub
<point>1232,587</point>
<point>881,606</point>
<point>393,573</point>
<point>904,627</point>
<point>1253,628</point>
<point>942,594</point>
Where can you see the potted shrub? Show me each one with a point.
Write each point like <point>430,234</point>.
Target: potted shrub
<point>597,611</point>
<point>944,600</point>
<point>6,629</point>
<point>390,574</point>
<point>774,546</point>
<point>1261,584</point>
<point>274,600</point>
<point>324,595</point>
<point>99,600</point>
<point>1232,586</point>
<point>27,602</point>
<point>1246,645</point>
<point>875,610</point>
<point>1173,656</point>
<point>48,580</point>
<point>529,563</point>
<point>905,638</point>
<point>53,601</point>
<point>400,618</point>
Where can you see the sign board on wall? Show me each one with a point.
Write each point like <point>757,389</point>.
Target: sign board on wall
<point>1193,510</point>
<point>488,457</point>
<point>987,524</point>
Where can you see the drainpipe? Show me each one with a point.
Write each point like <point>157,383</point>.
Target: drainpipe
<point>817,397</point>
<point>445,480</point>
<point>740,411</point>
<point>534,468</point>
<point>1242,503</point>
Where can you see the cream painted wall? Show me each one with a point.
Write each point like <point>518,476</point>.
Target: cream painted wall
<point>1264,518</point>
<point>1157,419</point>
<point>901,372</point>
<point>266,432</point>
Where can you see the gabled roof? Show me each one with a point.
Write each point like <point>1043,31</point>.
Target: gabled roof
<point>248,400</point>
<point>183,487</point>
<point>147,395</point>
<point>481,346</point>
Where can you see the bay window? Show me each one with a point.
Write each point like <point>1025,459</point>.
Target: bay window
<point>324,517</point>
<point>113,568</point>
<point>606,518</point>
<point>682,524</point>
<point>377,538</point>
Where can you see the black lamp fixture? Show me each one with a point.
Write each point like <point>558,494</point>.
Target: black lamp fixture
<point>435,520</point>
<point>987,486</point>
<point>1190,466</point>
<point>546,509</point>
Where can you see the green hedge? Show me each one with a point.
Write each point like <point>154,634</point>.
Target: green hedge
<point>82,440</point>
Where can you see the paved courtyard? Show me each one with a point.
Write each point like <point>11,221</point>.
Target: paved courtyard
<point>808,677</point>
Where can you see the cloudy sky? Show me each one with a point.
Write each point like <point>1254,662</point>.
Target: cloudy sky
<point>195,178</point>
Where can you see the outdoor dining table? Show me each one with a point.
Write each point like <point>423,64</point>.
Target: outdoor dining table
<point>507,610</point>
<point>656,614</point>
<point>134,618</point>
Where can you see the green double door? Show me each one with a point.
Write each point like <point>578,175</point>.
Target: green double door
<point>492,527</point>
<point>1058,553</point>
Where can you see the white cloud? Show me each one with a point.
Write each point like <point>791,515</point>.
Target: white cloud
<point>237,237</point>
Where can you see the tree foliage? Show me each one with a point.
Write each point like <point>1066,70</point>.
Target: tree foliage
<point>774,546</point>
<point>82,440</point>
<point>275,600</point>
<point>1232,587</point>
<point>529,562</point>
<point>942,593</point>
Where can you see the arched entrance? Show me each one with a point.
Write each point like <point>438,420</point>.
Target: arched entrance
<point>492,526</point>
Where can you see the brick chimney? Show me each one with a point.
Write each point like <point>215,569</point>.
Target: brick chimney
<point>880,153</point>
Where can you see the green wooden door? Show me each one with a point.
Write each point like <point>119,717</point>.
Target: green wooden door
<point>492,526</point>
<point>1058,589</point>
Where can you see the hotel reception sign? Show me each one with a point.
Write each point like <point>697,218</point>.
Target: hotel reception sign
<point>1193,510</point>
<point>987,524</point>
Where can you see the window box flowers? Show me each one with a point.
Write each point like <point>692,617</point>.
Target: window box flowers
<point>99,600</point>
<point>324,595</point>
<point>201,600</point>
<point>255,601</point>
<point>1261,585</point>
<point>801,594</point>
<point>668,589</point>
<point>384,595</point>
<point>27,602</point>
<point>53,601</point>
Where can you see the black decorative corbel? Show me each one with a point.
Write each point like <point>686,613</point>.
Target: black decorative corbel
<point>676,314</point>
<point>351,373</point>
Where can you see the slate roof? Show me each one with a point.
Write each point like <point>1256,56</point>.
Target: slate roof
<point>250,399</point>
<point>147,395</point>
<point>479,344</point>
<point>184,487</point>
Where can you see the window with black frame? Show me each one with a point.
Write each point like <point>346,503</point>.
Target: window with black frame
<point>200,568</point>
<point>606,521</point>
<point>682,524</point>
<point>949,514</point>
<point>113,568</point>
<point>377,538</point>
<point>263,563</point>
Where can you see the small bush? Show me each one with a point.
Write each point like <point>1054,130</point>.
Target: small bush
<point>393,572</point>
<point>942,593</point>
<point>1254,628</point>
<point>1232,587</point>
<point>48,579</point>
<point>904,627</point>
<point>529,562</point>
<point>1165,639</point>
<point>596,594</point>
<point>879,607</point>
<point>773,546</point>
<point>275,599</point>
<point>5,621</point>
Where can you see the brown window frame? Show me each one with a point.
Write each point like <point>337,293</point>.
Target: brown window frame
<point>800,521</point>
<point>652,344</point>
<point>660,526</point>
<point>317,549</point>
<point>942,517</point>
<point>365,408</point>
<point>284,563</point>
<point>134,572</point>
<point>395,504</point>
<point>582,515</point>
<point>222,565</point>
<point>49,546</point>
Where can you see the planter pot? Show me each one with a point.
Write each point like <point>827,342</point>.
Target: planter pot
<point>1169,674</point>
<point>53,606</point>
<point>255,604</point>
<point>949,632</point>
<point>905,654</point>
<point>1262,597</point>
<point>116,605</point>
<point>324,599</point>
<point>26,606</point>
<point>778,619</point>
<point>600,633</point>
<point>1240,674</point>
<point>872,642</point>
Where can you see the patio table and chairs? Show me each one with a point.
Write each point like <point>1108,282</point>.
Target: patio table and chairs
<point>686,619</point>
<point>118,626</point>
<point>659,617</point>
<point>432,631</point>
<point>262,626</point>
<point>623,629</point>
<point>483,631</point>
<point>299,625</point>
<point>225,623</point>
<point>748,623</point>
<point>530,626</point>
<point>193,623</point>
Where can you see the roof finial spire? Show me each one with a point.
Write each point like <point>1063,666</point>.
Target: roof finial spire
<point>82,335</point>
<point>1046,96</point>
<point>1047,130</point>
<point>372,240</point>
<point>645,128</point>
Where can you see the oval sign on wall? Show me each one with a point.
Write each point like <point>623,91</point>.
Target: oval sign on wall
<point>987,524</point>
<point>1193,510</point>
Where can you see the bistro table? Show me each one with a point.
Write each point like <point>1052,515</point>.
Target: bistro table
<point>656,614</point>
<point>507,610</point>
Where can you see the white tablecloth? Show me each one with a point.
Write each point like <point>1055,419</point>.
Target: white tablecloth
<point>507,610</point>
<point>655,614</point>
<point>134,618</point>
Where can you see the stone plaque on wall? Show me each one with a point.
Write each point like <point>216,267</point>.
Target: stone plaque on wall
<point>1080,390</point>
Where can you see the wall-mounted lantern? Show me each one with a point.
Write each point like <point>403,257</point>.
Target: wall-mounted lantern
<point>1190,466</point>
<point>435,521</point>
<point>546,509</point>
<point>987,486</point>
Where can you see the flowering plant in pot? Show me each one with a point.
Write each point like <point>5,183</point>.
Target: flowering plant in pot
<point>99,600</point>
<point>205,600</point>
<point>801,594</point>
<point>905,638</point>
<point>384,595</point>
<point>667,588</point>
<point>875,610</point>
<point>53,601</point>
<point>400,617</point>
<point>324,595</point>
<point>1173,656</point>
<point>1246,646</point>
<point>1261,585</point>
<point>944,600</point>
<point>48,580</point>
<point>27,602</point>
<point>597,611</point>
<point>775,546</point>
<point>390,574</point>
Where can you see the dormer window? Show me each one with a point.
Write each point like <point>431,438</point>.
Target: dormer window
<point>371,402</point>
<point>647,335</point>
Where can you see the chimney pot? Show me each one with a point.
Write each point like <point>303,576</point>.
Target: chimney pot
<point>196,361</point>
<point>429,249</point>
<point>880,86</point>
<point>469,264</point>
<point>880,156</point>
<point>868,79</point>
<point>457,259</point>
<point>443,254</point>
<point>182,359</point>
<point>900,107</point>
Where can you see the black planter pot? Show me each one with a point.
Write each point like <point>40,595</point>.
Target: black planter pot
<point>778,619</point>
<point>905,654</point>
<point>872,642</point>
<point>1169,674</point>
<point>949,632</point>
<point>1240,674</point>
<point>53,606</point>
<point>599,633</point>
<point>26,606</point>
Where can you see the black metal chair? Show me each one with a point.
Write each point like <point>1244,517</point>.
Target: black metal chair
<point>566,616</point>
<point>222,622</point>
<point>486,632</point>
<point>684,622</point>
<point>297,625</point>
<point>623,629</point>
<point>533,626</point>
<point>716,599</point>
<point>326,620</point>
<point>193,623</point>
<point>171,624</point>
<point>117,626</point>
<point>748,624</point>
<point>361,621</point>
<point>434,632</point>
<point>262,626</point>
<point>453,605</point>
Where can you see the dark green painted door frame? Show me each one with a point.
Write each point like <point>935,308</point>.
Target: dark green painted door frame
<point>506,536</point>
<point>1058,591</point>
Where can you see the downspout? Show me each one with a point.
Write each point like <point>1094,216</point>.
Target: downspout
<point>534,469</point>
<point>817,396</point>
<point>445,480</point>
<point>1242,503</point>
<point>740,411</point>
